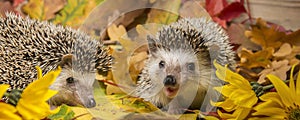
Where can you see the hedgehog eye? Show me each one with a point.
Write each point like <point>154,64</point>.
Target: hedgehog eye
<point>162,64</point>
<point>70,80</point>
<point>191,66</point>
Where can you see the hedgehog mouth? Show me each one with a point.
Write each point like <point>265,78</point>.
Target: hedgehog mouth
<point>170,92</point>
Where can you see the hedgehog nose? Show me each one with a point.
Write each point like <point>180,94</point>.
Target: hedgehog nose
<point>170,80</point>
<point>91,103</point>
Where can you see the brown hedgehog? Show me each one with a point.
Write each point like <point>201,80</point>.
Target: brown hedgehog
<point>178,71</point>
<point>26,43</point>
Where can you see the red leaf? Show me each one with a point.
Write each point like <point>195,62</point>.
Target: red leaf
<point>17,2</point>
<point>220,22</point>
<point>214,7</point>
<point>231,11</point>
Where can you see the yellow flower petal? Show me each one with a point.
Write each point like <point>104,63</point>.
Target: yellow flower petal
<point>3,89</point>
<point>39,72</point>
<point>33,111</point>
<point>272,112</point>
<point>298,86</point>
<point>272,96</point>
<point>38,87</point>
<point>227,105</point>
<point>282,89</point>
<point>292,84</point>
<point>7,112</point>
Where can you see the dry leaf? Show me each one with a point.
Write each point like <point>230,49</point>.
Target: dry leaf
<point>163,16</point>
<point>51,7</point>
<point>265,36</point>
<point>115,33</point>
<point>258,59</point>
<point>283,51</point>
<point>43,9</point>
<point>278,69</point>
<point>236,33</point>
<point>5,7</point>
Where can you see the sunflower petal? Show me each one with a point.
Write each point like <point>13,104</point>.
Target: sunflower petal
<point>282,90</point>
<point>272,96</point>
<point>3,89</point>
<point>292,84</point>
<point>272,112</point>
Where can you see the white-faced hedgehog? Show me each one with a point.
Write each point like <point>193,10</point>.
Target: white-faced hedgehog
<point>178,71</point>
<point>26,43</point>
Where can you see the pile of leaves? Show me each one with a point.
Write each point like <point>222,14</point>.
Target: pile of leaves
<point>262,48</point>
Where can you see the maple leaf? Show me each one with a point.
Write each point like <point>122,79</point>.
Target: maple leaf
<point>258,59</point>
<point>265,36</point>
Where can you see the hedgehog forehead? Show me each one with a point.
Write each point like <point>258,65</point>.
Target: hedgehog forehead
<point>176,57</point>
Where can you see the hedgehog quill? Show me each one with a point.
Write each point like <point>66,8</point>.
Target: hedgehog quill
<point>26,43</point>
<point>178,71</point>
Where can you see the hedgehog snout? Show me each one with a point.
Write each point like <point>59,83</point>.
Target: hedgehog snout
<point>90,103</point>
<point>170,80</point>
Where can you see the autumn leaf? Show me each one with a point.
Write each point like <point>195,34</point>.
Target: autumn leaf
<point>222,12</point>
<point>75,12</point>
<point>161,16</point>
<point>65,113</point>
<point>277,68</point>
<point>231,11</point>
<point>236,33</point>
<point>43,9</point>
<point>288,52</point>
<point>17,2</point>
<point>5,6</point>
<point>265,36</point>
<point>258,59</point>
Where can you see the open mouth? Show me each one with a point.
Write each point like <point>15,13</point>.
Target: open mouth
<point>170,91</point>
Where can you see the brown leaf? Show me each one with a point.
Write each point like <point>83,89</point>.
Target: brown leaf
<point>236,33</point>
<point>258,59</point>
<point>278,69</point>
<point>283,51</point>
<point>265,36</point>
<point>52,7</point>
<point>293,38</point>
<point>5,7</point>
<point>136,64</point>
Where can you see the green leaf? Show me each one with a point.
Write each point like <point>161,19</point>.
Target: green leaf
<point>64,113</point>
<point>73,9</point>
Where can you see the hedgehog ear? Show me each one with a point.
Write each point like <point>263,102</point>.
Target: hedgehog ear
<point>152,44</point>
<point>66,61</point>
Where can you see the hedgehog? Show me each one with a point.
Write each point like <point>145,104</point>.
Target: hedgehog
<point>26,43</point>
<point>179,68</point>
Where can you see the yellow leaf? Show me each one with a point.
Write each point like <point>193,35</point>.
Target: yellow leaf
<point>75,12</point>
<point>258,59</point>
<point>162,16</point>
<point>35,9</point>
<point>116,32</point>
<point>43,9</point>
<point>265,36</point>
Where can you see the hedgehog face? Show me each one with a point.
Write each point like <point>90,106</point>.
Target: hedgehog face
<point>173,69</point>
<point>74,87</point>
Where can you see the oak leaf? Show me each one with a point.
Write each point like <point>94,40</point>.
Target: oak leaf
<point>258,59</point>
<point>277,68</point>
<point>265,36</point>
